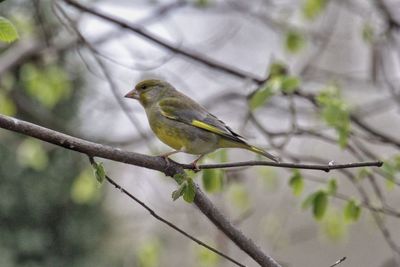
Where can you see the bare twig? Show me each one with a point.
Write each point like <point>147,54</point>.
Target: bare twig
<point>321,167</point>
<point>161,219</point>
<point>338,262</point>
<point>156,163</point>
<point>106,72</point>
<point>166,44</point>
<point>169,168</point>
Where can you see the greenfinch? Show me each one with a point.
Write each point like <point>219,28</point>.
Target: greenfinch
<point>185,125</point>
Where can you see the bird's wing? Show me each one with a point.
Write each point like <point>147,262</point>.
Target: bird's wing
<point>191,113</point>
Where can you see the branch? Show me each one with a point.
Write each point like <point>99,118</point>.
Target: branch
<point>338,262</point>
<point>150,162</point>
<point>167,44</point>
<point>170,169</point>
<point>107,75</point>
<point>206,60</point>
<point>382,136</point>
<point>321,167</point>
<point>19,53</point>
<point>161,219</point>
<point>155,163</point>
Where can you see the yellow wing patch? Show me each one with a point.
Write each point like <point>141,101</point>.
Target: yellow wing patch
<point>207,127</point>
<point>258,150</point>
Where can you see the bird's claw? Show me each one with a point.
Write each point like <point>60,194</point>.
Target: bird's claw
<point>167,160</point>
<point>195,166</point>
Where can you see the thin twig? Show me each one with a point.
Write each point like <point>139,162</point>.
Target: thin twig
<point>338,262</point>
<point>169,168</point>
<point>161,219</point>
<point>106,72</point>
<point>320,167</point>
<point>166,44</point>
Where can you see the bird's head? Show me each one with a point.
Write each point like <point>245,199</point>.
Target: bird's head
<point>148,92</point>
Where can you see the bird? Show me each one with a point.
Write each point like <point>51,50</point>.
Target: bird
<point>184,125</point>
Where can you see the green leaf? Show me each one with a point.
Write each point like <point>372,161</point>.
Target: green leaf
<point>269,178</point>
<point>84,189</point>
<point>220,155</point>
<point>389,171</point>
<point>352,211</point>
<point>187,188</point>
<point>179,192</point>
<point>48,85</point>
<point>202,3</point>
<point>290,84</point>
<point>8,33</point>
<point>149,253</point>
<point>343,136</point>
<point>212,180</point>
<point>332,187</point>
<point>7,106</point>
<point>180,177</point>
<point>362,173</point>
<point>190,191</point>
<point>333,225</point>
<point>277,69</point>
<point>238,196</point>
<point>99,172</point>
<point>313,8</point>
<point>296,182</point>
<point>308,201</point>
<point>277,81</point>
<point>396,162</point>
<point>368,33</point>
<point>262,95</point>
<point>320,204</point>
<point>8,81</point>
<point>31,153</point>
<point>294,41</point>
<point>205,257</point>
<point>390,184</point>
<point>335,113</point>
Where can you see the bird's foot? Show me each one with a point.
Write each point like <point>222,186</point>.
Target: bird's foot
<point>165,156</point>
<point>195,166</point>
<point>167,161</point>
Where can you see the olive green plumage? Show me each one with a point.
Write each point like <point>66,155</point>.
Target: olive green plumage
<point>183,124</point>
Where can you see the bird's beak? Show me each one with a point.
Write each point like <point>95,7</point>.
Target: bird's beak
<point>133,94</point>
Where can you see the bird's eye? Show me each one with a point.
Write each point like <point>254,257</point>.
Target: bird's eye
<point>143,87</point>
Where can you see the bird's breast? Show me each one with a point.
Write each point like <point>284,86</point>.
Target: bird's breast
<point>181,136</point>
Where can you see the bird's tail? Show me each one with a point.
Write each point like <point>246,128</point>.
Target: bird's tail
<point>242,144</point>
<point>262,152</point>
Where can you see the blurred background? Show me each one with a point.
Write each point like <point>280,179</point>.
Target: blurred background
<point>313,81</point>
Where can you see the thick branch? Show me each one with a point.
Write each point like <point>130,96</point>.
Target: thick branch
<point>150,162</point>
<point>161,219</point>
<point>154,163</point>
<point>170,169</point>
